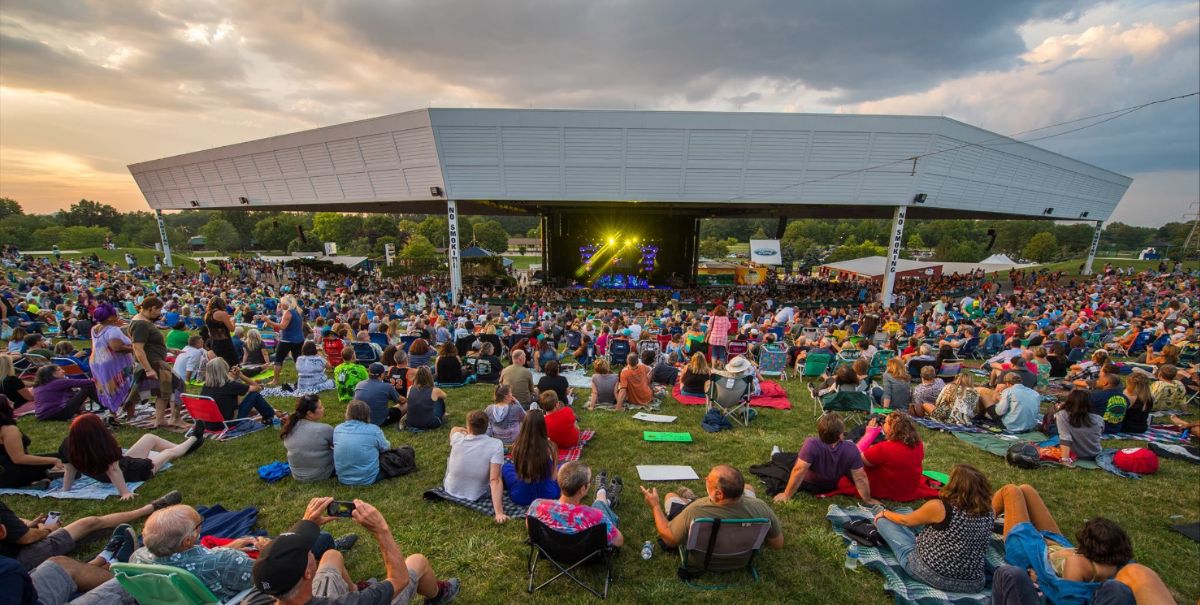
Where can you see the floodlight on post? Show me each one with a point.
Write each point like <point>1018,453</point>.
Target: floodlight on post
<point>920,198</point>
<point>435,191</point>
<point>1083,214</point>
<point>1048,211</point>
<point>244,200</point>
<point>194,203</point>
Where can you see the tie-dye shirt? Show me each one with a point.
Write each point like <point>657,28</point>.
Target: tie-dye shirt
<point>570,518</point>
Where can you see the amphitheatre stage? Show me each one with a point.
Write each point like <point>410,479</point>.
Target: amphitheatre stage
<point>643,179</point>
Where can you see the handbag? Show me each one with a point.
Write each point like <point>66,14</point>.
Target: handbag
<point>397,461</point>
<point>864,532</point>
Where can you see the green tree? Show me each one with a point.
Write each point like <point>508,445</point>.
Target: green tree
<point>1042,247</point>
<point>221,234</point>
<point>711,247</point>
<point>436,230</point>
<point>1127,237</point>
<point>376,226</point>
<point>336,227</point>
<point>959,252</point>
<point>852,250</point>
<point>490,235</point>
<point>86,213</point>
<point>9,207</point>
<point>79,236</point>
<point>47,236</point>
<point>420,255</point>
<point>275,233</point>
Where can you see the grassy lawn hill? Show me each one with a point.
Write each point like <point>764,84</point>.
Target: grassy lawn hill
<point>491,559</point>
<point>145,257</point>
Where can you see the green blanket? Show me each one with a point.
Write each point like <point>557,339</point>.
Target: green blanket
<point>998,444</point>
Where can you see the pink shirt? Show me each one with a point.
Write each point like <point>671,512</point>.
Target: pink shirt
<point>718,331</point>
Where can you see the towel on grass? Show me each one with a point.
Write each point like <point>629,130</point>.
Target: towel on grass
<point>928,489</point>
<point>905,588</point>
<point>1191,530</point>
<point>1186,453</point>
<point>482,506</point>
<point>84,488</point>
<point>241,429</point>
<point>772,396</point>
<point>24,409</point>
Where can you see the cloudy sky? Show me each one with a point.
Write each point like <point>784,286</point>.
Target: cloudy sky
<point>87,87</point>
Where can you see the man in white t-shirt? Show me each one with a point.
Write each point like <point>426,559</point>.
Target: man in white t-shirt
<point>474,464</point>
<point>190,360</point>
<point>635,331</point>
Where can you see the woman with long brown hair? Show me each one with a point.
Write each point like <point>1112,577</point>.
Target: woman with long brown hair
<point>948,553</point>
<point>894,465</point>
<point>91,449</point>
<point>426,403</point>
<point>530,475</point>
<point>220,331</point>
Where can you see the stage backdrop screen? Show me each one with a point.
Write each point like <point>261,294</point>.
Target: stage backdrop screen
<point>765,252</point>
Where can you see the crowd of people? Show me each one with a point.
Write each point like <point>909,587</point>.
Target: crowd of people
<point>1108,351</point>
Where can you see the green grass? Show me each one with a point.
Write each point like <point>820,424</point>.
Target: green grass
<point>491,559</point>
<point>145,257</point>
<point>524,262</point>
<point>1071,267</point>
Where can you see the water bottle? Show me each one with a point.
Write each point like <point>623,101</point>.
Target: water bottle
<point>852,557</point>
<point>648,550</point>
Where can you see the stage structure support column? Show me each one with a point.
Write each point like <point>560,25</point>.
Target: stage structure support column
<point>781,227</point>
<point>1091,257</point>
<point>545,233</point>
<point>893,257</point>
<point>162,233</point>
<point>452,249</point>
<point>695,251</point>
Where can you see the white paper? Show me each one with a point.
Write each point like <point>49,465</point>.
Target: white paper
<point>666,472</point>
<point>653,417</point>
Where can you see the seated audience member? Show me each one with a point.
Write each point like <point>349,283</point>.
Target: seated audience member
<point>224,385</point>
<point>357,444</point>
<point>379,394</point>
<point>61,580</point>
<point>893,465</point>
<point>1016,408</point>
<point>474,466</point>
<point>449,367</point>
<point>544,354</point>
<point>420,353</point>
<point>633,386</point>
<point>553,381</point>
<point>1102,552</point>
<point>190,361</point>
<point>56,397</point>
<point>950,551</point>
<point>1141,403</point>
<point>426,408</point>
<point>560,421</point>
<point>1079,430</point>
<point>333,345</point>
<point>897,385</point>
<point>569,515</point>
<point>695,377</point>
<point>13,387</point>
<point>397,371</point>
<point>347,375</point>
<point>91,449</point>
<point>663,370</point>
<point>519,379</point>
<point>288,571</point>
<point>530,475</point>
<point>1108,400</point>
<point>18,468</point>
<point>958,403</point>
<point>255,356</point>
<point>178,338</point>
<point>309,442</point>
<point>487,365</point>
<point>927,391</point>
<point>604,385</point>
<point>823,460</point>
<point>727,498</point>
<point>36,344</point>
<point>1084,374</point>
<point>845,380</point>
<point>30,542</point>
<point>504,415</point>
<point>1167,392</point>
<point>310,370</point>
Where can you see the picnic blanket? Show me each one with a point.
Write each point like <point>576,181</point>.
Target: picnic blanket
<point>1152,434</point>
<point>772,396</point>
<point>895,579</point>
<point>1191,530</point>
<point>998,443</point>
<point>84,488</point>
<point>929,488</point>
<point>482,506</point>
<point>240,429</point>
<point>24,409</point>
<point>220,523</point>
<point>576,378</point>
<point>947,427</point>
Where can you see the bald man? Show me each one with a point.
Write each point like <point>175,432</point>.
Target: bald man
<point>519,378</point>
<point>727,499</point>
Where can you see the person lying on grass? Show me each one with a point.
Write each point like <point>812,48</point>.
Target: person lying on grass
<point>91,449</point>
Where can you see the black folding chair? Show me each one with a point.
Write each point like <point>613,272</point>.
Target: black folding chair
<point>568,552</point>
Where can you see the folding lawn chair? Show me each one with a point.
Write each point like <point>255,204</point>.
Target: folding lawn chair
<point>649,345</point>
<point>773,361</point>
<point>167,585</point>
<point>879,363</point>
<point>816,365</point>
<point>721,545</point>
<point>70,367</point>
<point>731,395</point>
<point>1139,344</point>
<point>851,404</point>
<point>204,409</point>
<point>381,339</point>
<point>406,341</point>
<point>1076,355</point>
<point>969,349</point>
<point>735,348</point>
<point>950,369</point>
<point>915,365</point>
<point>568,552</point>
<point>617,351</point>
<point>364,353</point>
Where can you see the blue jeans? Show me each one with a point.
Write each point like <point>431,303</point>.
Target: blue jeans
<point>900,539</point>
<point>257,402</point>
<point>717,352</point>
<point>1012,586</point>
<point>609,514</point>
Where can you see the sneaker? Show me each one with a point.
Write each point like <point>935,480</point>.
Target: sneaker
<point>170,498</point>
<point>774,450</point>
<point>686,493</point>
<point>122,543</point>
<point>196,431</point>
<point>447,590</point>
<point>346,542</point>
<point>602,479</point>
<point>614,491</point>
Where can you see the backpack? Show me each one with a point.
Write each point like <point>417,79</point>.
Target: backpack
<point>1023,455</point>
<point>397,461</point>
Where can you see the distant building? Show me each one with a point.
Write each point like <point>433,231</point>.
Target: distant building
<point>197,242</point>
<point>532,245</point>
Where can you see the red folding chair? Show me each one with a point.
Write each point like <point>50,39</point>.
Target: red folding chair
<point>204,409</point>
<point>663,340</point>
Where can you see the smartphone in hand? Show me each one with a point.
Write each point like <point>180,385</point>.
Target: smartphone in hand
<point>52,518</point>
<point>339,508</point>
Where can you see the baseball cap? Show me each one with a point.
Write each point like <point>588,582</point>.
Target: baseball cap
<point>1136,460</point>
<point>282,563</point>
<point>376,369</point>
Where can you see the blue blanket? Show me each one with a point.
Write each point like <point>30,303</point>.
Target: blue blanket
<point>85,488</point>
<point>222,523</point>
